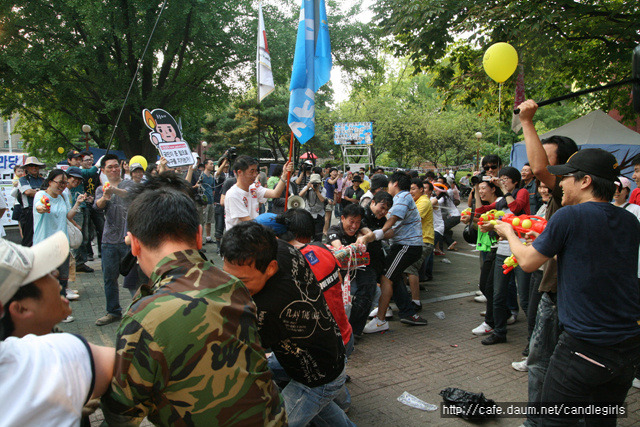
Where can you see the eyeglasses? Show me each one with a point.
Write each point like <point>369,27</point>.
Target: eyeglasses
<point>488,167</point>
<point>61,183</point>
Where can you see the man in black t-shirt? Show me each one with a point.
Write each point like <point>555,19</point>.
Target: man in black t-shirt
<point>353,193</point>
<point>294,321</point>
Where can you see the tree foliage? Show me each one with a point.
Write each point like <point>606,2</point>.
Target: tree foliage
<point>562,44</point>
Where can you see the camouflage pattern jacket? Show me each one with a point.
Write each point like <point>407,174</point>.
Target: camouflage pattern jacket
<point>188,353</point>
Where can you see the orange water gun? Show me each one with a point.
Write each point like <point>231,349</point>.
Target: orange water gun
<point>46,203</point>
<point>524,223</point>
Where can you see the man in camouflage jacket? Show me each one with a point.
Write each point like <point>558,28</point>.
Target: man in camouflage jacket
<point>188,351</point>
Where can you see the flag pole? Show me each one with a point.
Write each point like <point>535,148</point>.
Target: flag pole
<point>286,196</point>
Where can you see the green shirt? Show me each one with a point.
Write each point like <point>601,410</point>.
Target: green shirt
<point>188,352</point>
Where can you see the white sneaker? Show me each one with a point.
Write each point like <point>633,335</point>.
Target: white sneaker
<point>511,320</point>
<point>483,313</point>
<point>520,366</point>
<point>71,296</point>
<point>483,329</point>
<point>388,314</point>
<point>480,298</point>
<point>636,383</point>
<point>375,325</point>
<point>479,293</point>
<point>69,319</point>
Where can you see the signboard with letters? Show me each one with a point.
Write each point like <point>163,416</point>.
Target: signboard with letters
<point>166,136</point>
<point>177,153</point>
<point>353,133</point>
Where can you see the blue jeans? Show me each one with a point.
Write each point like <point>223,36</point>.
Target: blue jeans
<point>111,256</point>
<point>573,379</point>
<point>82,218</point>
<point>306,404</point>
<point>363,287</point>
<point>501,312</point>
<point>543,341</point>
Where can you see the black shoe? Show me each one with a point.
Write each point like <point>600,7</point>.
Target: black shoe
<point>493,339</point>
<point>525,352</point>
<point>83,268</point>
<point>414,320</point>
<point>416,307</point>
<point>90,258</point>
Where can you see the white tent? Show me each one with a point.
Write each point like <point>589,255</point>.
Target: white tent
<point>594,130</point>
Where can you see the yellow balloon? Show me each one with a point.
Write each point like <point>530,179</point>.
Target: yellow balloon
<point>500,61</point>
<point>138,159</point>
<point>60,150</point>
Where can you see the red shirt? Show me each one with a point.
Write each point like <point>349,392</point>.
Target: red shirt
<point>635,196</point>
<point>519,204</point>
<point>325,268</point>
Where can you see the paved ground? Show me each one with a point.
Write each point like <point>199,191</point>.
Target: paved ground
<point>419,360</point>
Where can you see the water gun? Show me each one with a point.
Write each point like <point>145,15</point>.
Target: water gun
<point>105,186</point>
<point>46,203</point>
<point>491,217</point>
<point>524,223</point>
<point>509,264</point>
<point>466,212</point>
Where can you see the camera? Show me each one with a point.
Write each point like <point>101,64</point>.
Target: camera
<point>477,179</point>
<point>230,154</point>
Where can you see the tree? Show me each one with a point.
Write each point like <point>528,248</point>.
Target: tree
<point>66,63</point>
<point>562,44</point>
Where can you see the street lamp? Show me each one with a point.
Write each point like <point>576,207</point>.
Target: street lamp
<point>86,129</point>
<point>204,151</point>
<point>478,136</point>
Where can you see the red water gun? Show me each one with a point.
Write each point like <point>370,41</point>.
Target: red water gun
<point>46,203</point>
<point>524,223</point>
<point>509,264</point>
<point>491,217</point>
<point>105,186</point>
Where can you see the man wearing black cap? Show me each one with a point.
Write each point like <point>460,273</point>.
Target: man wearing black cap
<point>598,296</point>
<point>74,158</point>
<point>379,182</point>
<point>353,193</point>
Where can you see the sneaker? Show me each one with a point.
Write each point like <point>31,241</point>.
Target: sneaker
<point>636,383</point>
<point>493,339</point>
<point>71,296</point>
<point>479,293</point>
<point>520,366</point>
<point>376,325</point>
<point>511,320</point>
<point>90,258</point>
<point>416,307</point>
<point>388,314</point>
<point>209,239</point>
<point>483,329</point>
<point>483,313</point>
<point>107,318</point>
<point>525,352</point>
<point>69,319</point>
<point>414,320</point>
<point>83,268</point>
<point>481,299</point>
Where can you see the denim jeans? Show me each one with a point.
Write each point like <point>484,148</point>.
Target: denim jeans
<point>82,218</point>
<point>541,346</point>
<point>111,256</point>
<point>363,287</point>
<point>501,312</point>
<point>324,405</point>
<point>573,379</point>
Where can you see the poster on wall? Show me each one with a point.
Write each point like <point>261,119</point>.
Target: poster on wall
<point>7,162</point>
<point>166,136</point>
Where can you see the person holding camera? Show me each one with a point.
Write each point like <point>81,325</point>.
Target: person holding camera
<point>314,195</point>
<point>304,175</point>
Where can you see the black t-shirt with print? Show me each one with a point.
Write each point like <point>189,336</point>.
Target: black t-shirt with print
<point>295,322</point>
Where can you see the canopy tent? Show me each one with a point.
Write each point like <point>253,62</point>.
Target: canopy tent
<point>594,130</point>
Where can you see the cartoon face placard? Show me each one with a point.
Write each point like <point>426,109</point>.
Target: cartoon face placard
<point>165,135</point>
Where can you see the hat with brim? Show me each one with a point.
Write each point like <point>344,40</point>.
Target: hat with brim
<point>356,179</point>
<point>269,220</point>
<point>20,265</point>
<point>73,154</point>
<point>623,182</point>
<point>134,166</point>
<point>379,181</point>
<point>32,160</point>
<point>75,172</point>
<point>592,161</point>
<point>315,179</point>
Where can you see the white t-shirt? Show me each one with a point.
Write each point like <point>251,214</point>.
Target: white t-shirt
<point>46,380</point>
<point>239,203</point>
<point>438,222</point>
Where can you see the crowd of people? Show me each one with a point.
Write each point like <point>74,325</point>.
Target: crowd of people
<point>266,340</point>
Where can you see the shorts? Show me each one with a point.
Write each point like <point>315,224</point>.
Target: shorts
<point>328,207</point>
<point>414,269</point>
<point>208,214</point>
<point>399,258</point>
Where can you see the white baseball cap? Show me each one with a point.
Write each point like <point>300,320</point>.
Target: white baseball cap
<point>20,265</point>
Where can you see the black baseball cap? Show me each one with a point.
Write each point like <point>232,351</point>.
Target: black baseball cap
<point>73,154</point>
<point>379,181</point>
<point>356,179</point>
<point>594,161</point>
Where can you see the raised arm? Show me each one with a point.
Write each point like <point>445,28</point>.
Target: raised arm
<point>536,153</point>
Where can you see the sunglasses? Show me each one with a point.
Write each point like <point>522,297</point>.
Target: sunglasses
<point>489,167</point>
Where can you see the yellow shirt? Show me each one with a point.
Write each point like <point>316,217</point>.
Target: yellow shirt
<point>426,215</point>
<point>365,186</point>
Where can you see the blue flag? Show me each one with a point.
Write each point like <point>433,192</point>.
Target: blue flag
<point>311,68</point>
